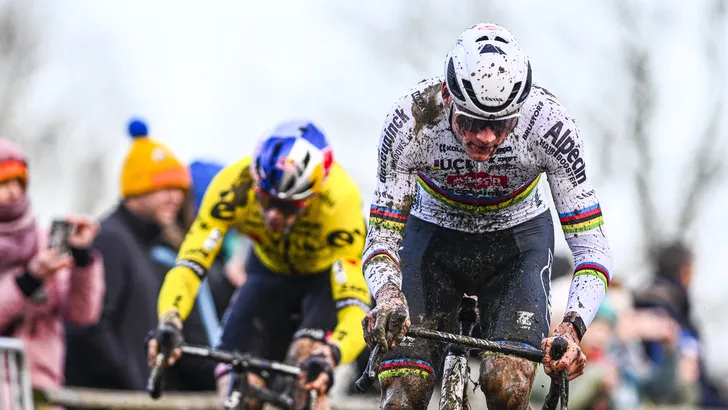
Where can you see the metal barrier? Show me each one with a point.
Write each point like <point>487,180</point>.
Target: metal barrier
<point>15,389</point>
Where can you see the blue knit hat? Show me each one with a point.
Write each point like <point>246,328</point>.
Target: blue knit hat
<point>202,174</point>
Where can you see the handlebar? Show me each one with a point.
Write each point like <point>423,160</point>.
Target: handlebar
<point>244,362</point>
<point>533,355</point>
<point>240,362</point>
<point>559,388</point>
<point>168,337</point>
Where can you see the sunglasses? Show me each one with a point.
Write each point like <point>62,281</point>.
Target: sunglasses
<point>287,207</point>
<point>469,122</point>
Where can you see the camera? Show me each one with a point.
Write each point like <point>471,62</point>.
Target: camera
<point>60,231</point>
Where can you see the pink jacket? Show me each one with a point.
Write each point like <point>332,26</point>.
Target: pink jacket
<point>74,294</point>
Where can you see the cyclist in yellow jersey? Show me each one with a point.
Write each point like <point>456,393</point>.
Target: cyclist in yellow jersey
<point>305,294</point>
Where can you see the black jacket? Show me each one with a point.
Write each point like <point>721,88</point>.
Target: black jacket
<point>112,353</point>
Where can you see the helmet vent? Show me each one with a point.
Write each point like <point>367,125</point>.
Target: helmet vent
<point>526,87</point>
<point>452,81</point>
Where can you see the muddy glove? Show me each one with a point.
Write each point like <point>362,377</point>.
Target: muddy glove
<point>387,324</point>
<point>318,373</point>
<point>169,330</point>
<point>574,360</point>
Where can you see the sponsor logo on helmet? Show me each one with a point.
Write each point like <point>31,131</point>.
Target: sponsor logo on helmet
<point>287,165</point>
<point>490,27</point>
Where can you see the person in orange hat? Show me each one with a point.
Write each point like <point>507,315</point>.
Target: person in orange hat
<point>43,281</point>
<point>153,180</point>
<point>153,186</point>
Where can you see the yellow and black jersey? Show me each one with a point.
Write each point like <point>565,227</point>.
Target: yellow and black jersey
<point>329,235</point>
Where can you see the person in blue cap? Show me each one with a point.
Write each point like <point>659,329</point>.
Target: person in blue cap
<point>227,273</point>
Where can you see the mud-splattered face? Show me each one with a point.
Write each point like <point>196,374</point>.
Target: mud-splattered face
<point>479,137</point>
<point>279,215</point>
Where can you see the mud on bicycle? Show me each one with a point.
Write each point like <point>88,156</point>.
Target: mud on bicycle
<point>456,371</point>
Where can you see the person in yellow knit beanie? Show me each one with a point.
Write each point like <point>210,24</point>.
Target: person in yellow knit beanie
<point>150,165</point>
<point>153,186</point>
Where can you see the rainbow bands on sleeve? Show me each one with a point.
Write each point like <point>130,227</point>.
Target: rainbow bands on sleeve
<point>593,269</point>
<point>377,253</point>
<point>582,220</point>
<point>387,218</point>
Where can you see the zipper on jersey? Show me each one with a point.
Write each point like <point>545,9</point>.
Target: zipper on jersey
<point>286,248</point>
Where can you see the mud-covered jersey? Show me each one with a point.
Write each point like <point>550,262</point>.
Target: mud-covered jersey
<point>424,171</point>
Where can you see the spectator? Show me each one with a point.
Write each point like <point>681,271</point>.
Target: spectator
<point>669,295</point>
<point>112,354</point>
<point>234,245</point>
<point>226,273</point>
<point>40,286</point>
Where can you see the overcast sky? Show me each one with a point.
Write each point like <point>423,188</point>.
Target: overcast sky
<point>211,77</point>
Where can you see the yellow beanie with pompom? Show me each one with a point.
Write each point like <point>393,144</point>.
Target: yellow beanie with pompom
<point>149,165</point>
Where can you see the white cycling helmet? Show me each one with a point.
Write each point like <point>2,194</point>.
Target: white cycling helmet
<point>487,72</point>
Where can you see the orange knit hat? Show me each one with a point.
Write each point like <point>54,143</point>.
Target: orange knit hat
<point>149,165</point>
<point>13,164</point>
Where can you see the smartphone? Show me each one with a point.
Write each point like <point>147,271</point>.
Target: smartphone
<point>60,231</point>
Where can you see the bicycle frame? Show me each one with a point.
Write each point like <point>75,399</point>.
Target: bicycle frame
<point>456,371</point>
<point>240,366</point>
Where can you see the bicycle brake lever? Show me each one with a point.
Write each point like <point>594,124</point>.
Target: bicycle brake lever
<point>370,373</point>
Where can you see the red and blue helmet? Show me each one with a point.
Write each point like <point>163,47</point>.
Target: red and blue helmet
<point>292,161</point>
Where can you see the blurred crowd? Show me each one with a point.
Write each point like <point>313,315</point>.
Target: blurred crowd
<point>84,309</point>
<point>644,346</point>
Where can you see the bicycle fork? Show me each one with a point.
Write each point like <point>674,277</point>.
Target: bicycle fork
<point>456,374</point>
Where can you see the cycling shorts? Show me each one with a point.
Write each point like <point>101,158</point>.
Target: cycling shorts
<point>270,310</point>
<point>509,271</point>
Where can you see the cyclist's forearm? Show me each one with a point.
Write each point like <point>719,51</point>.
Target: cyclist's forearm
<point>381,266</point>
<point>592,265</point>
<point>388,217</point>
<point>348,334</point>
<point>179,291</point>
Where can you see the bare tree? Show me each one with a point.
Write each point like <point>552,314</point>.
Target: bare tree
<point>19,41</point>
<point>706,160</point>
<point>638,62</point>
<point>708,165</point>
<point>423,28</point>
<point>51,137</point>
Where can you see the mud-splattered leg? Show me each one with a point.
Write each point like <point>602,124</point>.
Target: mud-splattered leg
<point>407,391</point>
<point>506,381</point>
<point>299,351</point>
